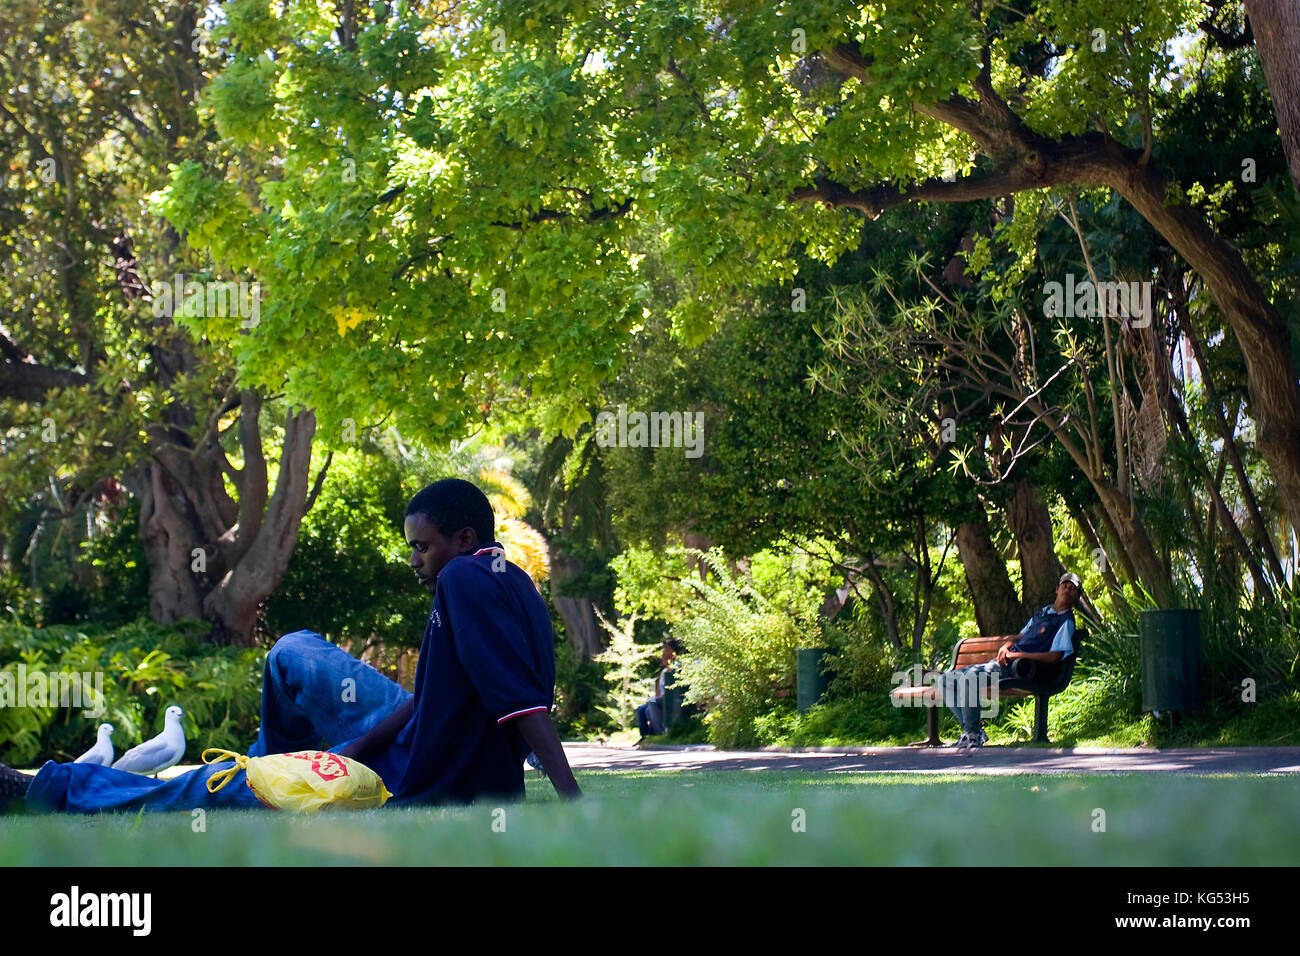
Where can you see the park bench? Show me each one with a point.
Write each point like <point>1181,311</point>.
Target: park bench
<point>1051,679</point>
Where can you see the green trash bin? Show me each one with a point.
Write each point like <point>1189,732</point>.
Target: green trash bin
<point>810,681</point>
<point>1173,661</point>
<point>673,694</point>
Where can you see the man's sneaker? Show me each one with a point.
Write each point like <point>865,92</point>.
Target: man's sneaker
<point>13,789</point>
<point>978,739</point>
<point>964,743</point>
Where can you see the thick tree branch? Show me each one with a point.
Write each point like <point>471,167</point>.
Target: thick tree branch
<point>1022,161</point>
<point>253,477</point>
<point>956,111</point>
<point>319,482</point>
<point>552,215</point>
<point>1045,164</point>
<point>12,350</point>
<point>31,383</point>
<point>1226,39</point>
<point>22,378</point>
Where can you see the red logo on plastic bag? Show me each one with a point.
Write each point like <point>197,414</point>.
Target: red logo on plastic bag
<point>327,765</point>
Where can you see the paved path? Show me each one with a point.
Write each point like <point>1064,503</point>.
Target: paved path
<point>987,760</point>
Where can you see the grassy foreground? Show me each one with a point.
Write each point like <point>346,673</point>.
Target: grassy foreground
<point>746,818</point>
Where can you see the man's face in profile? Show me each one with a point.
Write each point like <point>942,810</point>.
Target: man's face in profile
<point>431,549</point>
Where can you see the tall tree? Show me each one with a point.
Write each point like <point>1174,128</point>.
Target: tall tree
<point>97,103</point>
<point>496,166</point>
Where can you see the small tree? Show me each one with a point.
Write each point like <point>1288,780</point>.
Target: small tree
<point>625,657</point>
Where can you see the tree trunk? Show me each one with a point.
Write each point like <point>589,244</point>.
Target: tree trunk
<point>1261,331</point>
<point>258,549</point>
<point>1031,524</point>
<point>1276,24</point>
<point>997,611</point>
<point>888,607</point>
<point>578,613</point>
<point>1263,536</point>
<point>169,532</point>
<point>1104,568</point>
<point>1127,524</point>
<point>210,558</point>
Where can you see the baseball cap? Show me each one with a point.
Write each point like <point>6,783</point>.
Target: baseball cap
<point>1072,578</point>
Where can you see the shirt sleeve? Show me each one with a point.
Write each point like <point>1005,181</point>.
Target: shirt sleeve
<point>1024,631</point>
<point>1063,641</point>
<point>492,642</point>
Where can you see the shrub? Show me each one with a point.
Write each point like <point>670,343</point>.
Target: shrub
<point>860,720</point>
<point>579,691</point>
<point>862,660</point>
<point>626,658</point>
<point>145,668</point>
<point>740,640</point>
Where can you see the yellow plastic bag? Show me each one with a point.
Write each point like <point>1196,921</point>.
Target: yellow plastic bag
<point>304,782</point>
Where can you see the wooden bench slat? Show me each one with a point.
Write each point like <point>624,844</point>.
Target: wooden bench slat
<point>915,693</point>
<point>907,693</point>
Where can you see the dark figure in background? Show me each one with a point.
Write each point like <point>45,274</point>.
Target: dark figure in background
<point>650,715</point>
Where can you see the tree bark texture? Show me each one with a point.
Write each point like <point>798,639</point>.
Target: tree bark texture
<point>1031,525</point>
<point>997,610</point>
<point>1276,25</point>
<point>210,557</point>
<point>578,613</point>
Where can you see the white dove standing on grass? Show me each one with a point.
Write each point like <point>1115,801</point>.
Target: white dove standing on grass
<point>102,752</point>
<point>165,750</point>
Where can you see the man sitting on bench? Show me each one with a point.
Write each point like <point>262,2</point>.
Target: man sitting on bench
<point>1047,639</point>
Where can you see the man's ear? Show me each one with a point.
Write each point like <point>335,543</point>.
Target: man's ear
<point>466,540</point>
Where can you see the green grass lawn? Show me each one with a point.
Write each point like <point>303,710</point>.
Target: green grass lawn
<point>732,817</point>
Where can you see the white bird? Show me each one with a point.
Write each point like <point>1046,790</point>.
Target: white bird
<point>163,751</point>
<point>102,752</point>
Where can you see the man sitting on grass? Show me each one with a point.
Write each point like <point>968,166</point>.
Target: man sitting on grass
<point>484,686</point>
<point>1047,639</point>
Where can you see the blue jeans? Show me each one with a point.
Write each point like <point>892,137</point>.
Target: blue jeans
<point>314,695</point>
<point>650,717</point>
<point>960,689</point>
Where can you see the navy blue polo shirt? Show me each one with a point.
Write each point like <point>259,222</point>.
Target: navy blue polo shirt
<point>1048,630</point>
<point>488,657</point>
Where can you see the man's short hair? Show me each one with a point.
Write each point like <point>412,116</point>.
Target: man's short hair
<point>452,504</point>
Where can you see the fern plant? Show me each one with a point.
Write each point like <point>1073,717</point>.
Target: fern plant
<point>626,658</point>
